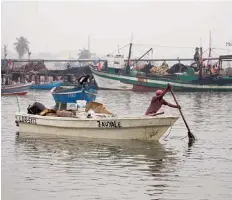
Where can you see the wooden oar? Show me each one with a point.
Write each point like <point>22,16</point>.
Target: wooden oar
<point>190,135</point>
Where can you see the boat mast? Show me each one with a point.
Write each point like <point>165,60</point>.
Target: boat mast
<point>210,48</point>
<point>200,63</point>
<point>200,60</point>
<point>128,61</point>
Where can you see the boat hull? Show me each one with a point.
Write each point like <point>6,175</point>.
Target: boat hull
<point>46,86</point>
<point>107,83</point>
<point>74,94</point>
<point>182,87</point>
<point>130,128</point>
<point>141,88</point>
<point>21,89</point>
<point>145,84</point>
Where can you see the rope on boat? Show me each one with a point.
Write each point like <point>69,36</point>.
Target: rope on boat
<point>162,46</point>
<point>181,139</point>
<point>184,137</point>
<point>168,133</point>
<point>177,47</point>
<point>187,136</point>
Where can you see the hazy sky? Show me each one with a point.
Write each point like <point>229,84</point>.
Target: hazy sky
<point>56,26</point>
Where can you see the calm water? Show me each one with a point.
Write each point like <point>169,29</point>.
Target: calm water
<point>61,169</point>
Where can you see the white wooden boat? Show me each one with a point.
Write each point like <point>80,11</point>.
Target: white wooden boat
<point>107,83</point>
<point>141,128</point>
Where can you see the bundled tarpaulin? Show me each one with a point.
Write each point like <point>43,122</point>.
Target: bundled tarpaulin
<point>97,108</point>
<point>35,108</point>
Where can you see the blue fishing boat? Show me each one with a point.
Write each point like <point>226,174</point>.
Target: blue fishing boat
<point>71,95</point>
<point>46,86</point>
<point>17,89</point>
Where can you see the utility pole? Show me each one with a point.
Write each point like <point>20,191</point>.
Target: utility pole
<point>210,48</point>
<point>131,37</point>
<point>29,54</point>
<point>5,51</point>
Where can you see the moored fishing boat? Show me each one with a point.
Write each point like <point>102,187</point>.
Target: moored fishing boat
<point>84,90</point>
<point>17,89</point>
<point>71,95</point>
<point>111,77</point>
<point>211,83</point>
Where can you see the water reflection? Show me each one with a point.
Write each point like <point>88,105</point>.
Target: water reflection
<point>144,161</point>
<point>98,148</point>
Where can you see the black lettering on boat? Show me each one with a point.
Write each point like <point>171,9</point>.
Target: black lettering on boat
<point>99,123</point>
<point>25,119</point>
<point>109,124</point>
<point>33,120</point>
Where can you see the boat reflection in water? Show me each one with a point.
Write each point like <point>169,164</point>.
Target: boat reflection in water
<point>140,168</point>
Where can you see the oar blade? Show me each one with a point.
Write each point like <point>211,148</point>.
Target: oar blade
<point>191,136</point>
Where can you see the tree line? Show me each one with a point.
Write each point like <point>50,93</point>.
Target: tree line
<point>22,47</point>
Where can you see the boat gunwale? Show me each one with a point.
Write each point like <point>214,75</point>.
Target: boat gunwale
<point>95,119</point>
<point>48,83</point>
<point>74,91</point>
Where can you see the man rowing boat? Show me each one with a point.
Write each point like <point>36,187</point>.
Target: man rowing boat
<point>157,101</point>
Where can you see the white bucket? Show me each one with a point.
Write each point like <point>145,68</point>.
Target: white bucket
<point>81,103</point>
<point>71,106</point>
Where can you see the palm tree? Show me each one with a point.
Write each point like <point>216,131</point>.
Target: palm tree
<point>83,54</point>
<point>21,46</point>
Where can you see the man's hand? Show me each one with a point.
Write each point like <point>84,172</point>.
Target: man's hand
<point>178,106</point>
<point>169,86</point>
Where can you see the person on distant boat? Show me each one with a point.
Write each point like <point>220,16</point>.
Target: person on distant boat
<point>212,70</point>
<point>83,79</point>
<point>157,101</point>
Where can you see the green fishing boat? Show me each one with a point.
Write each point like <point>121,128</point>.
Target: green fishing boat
<point>117,75</point>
